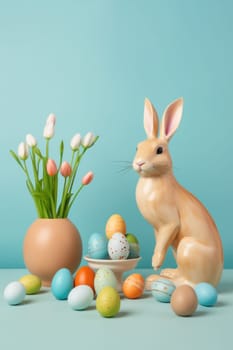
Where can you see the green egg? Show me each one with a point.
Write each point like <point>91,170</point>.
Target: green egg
<point>108,302</point>
<point>32,283</point>
<point>104,277</point>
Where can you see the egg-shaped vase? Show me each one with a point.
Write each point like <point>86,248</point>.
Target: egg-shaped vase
<point>49,245</point>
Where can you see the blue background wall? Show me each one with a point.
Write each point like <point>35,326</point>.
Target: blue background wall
<point>93,63</point>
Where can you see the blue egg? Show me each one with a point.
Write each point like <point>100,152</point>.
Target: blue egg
<point>97,246</point>
<point>206,294</point>
<point>62,283</point>
<point>162,290</point>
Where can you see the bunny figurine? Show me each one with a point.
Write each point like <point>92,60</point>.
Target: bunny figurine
<point>179,219</point>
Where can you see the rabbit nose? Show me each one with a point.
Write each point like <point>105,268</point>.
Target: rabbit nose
<point>140,163</point>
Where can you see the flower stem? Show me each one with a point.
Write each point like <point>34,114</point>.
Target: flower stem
<point>73,199</point>
<point>31,189</point>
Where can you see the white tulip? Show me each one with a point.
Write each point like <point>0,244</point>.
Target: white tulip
<point>49,126</point>
<point>88,139</point>
<point>48,131</point>
<point>75,142</point>
<point>23,151</point>
<point>51,119</point>
<point>31,140</point>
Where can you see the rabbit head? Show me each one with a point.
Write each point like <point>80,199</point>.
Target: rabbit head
<point>152,157</point>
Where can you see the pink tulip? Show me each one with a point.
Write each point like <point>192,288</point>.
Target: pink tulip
<point>87,178</point>
<point>51,167</point>
<point>66,169</point>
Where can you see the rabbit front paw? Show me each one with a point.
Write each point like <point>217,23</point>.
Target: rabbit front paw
<point>157,260</point>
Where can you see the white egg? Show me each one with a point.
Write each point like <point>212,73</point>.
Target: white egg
<point>80,297</point>
<point>14,293</point>
<point>118,247</point>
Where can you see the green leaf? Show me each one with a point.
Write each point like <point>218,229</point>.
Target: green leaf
<point>61,152</point>
<point>40,195</point>
<point>14,155</point>
<point>37,152</point>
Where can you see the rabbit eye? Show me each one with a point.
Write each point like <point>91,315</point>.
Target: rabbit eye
<point>159,150</point>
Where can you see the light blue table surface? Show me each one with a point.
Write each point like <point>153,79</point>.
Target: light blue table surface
<point>42,322</point>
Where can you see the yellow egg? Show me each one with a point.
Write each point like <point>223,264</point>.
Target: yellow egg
<point>115,223</point>
<point>31,283</point>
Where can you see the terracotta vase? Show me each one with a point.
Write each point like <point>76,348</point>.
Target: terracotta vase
<point>49,245</point>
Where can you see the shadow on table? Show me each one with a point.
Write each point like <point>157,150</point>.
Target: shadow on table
<point>225,287</point>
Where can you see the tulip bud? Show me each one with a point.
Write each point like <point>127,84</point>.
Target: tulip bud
<point>88,139</point>
<point>31,141</point>
<point>51,167</point>
<point>48,131</point>
<point>75,142</point>
<point>87,178</point>
<point>23,151</point>
<point>65,169</point>
<point>51,119</point>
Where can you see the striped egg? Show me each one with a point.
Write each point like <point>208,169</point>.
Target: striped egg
<point>133,286</point>
<point>162,290</point>
<point>115,223</point>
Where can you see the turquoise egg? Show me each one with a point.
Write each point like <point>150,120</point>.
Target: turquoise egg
<point>162,290</point>
<point>206,294</point>
<point>97,246</point>
<point>62,283</point>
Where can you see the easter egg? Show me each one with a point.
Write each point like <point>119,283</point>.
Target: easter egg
<point>31,283</point>
<point>108,302</point>
<point>184,300</point>
<point>115,223</point>
<point>162,290</point>
<point>85,275</point>
<point>14,293</point>
<point>62,283</point>
<point>206,294</point>
<point>104,277</point>
<point>118,247</point>
<point>97,246</point>
<point>134,248</point>
<point>80,297</point>
<point>133,286</point>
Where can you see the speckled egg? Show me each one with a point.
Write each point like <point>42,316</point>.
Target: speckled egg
<point>62,283</point>
<point>97,246</point>
<point>31,283</point>
<point>108,302</point>
<point>14,293</point>
<point>184,300</point>
<point>206,294</point>
<point>118,247</point>
<point>115,223</point>
<point>162,290</point>
<point>104,277</point>
<point>133,286</point>
<point>80,297</point>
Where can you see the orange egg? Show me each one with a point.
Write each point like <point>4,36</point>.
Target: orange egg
<point>85,275</point>
<point>133,286</point>
<point>115,223</point>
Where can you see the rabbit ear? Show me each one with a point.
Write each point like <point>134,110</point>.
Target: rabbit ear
<point>171,119</point>
<point>151,121</point>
